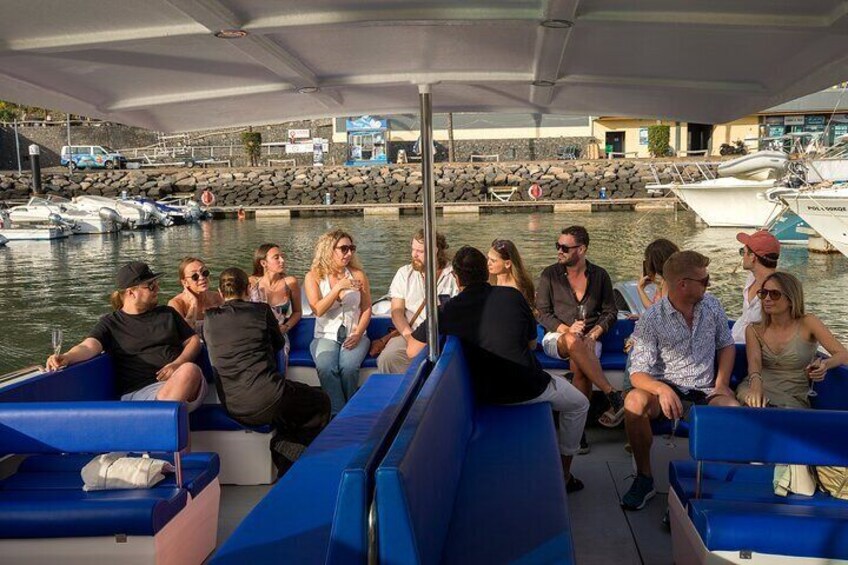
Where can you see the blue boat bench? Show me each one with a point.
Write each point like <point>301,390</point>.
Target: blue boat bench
<point>318,511</point>
<point>469,483</point>
<point>46,517</point>
<point>723,507</point>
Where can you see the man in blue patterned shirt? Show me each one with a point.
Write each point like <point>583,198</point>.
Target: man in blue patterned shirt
<point>673,361</point>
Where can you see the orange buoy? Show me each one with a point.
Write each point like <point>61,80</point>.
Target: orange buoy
<point>207,198</point>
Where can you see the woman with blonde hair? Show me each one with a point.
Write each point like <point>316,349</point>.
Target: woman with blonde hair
<point>506,268</point>
<point>783,365</point>
<point>339,294</point>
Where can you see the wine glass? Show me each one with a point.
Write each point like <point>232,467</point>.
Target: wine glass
<point>581,314</point>
<point>814,363</point>
<point>57,340</point>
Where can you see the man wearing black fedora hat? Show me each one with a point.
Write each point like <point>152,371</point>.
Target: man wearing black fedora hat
<point>152,347</point>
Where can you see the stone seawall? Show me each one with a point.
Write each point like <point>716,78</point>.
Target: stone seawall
<point>455,182</point>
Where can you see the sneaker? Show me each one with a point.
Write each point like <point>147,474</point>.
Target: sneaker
<point>584,445</point>
<point>615,415</point>
<point>573,484</point>
<point>641,491</point>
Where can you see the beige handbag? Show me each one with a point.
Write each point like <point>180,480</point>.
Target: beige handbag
<point>794,479</point>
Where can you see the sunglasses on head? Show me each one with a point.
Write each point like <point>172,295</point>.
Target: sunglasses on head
<point>200,274</point>
<point>345,249</point>
<point>704,281</point>
<point>500,245</point>
<point>565,248</point>
<point>772,293</point>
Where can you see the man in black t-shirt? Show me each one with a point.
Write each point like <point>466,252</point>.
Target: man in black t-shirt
<point>498,333</point>
<point>151,346</point>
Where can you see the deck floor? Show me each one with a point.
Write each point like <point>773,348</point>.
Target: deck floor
<point>603,532</point>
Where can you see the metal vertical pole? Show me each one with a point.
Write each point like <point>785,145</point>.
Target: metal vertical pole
<point>429,189</point>
<point>69,130</point>
<point>18,147</point>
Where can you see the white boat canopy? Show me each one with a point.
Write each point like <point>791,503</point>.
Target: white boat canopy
<point>161,64</point>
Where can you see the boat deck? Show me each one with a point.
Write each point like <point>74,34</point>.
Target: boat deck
<point>603,533</point>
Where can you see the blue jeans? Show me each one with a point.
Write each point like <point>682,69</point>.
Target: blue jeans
<point>338,368</point>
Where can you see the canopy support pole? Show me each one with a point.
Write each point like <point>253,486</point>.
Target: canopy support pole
<point>429,190</point>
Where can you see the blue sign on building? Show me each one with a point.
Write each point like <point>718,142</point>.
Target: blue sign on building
<point>367,141</point>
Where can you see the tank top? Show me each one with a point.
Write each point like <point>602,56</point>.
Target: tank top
<point>784,380</point>
<point>344,312</point>
<point>281,311</point>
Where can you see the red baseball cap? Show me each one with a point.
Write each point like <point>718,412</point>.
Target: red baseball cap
<point>760,243</point>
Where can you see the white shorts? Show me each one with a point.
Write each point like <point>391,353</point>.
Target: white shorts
<point>150,391</point>
<point>549,346</point>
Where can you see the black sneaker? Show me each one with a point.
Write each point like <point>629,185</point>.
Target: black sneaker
<point>573,484</point>
<point>615,415</point>
<point>584,445</point>
<point>641,491</point>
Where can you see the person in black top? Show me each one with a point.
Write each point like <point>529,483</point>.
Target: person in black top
<point>243,339</point>
<point>152,347</point>
<point>576,306</point>
<point>498,333</point>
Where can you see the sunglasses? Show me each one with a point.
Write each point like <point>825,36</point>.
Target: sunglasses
<point>152,285</point>
<point>345,249</point>
<point>501,246</point>
<point>774,294</point>
<point>565,248</point>
<point>200,274</point>
<point>704,281</point>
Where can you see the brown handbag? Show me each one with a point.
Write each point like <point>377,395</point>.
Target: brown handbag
<point>378,345</point>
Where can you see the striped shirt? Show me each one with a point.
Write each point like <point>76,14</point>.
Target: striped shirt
<point>667,349</point>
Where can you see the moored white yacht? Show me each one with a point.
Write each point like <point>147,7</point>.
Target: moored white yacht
<point>825,209</point>
<point>40,210</point>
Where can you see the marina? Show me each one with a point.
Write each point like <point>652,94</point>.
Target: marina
<point>261,425</point>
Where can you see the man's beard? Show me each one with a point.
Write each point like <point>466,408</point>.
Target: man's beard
<point>417,265</point>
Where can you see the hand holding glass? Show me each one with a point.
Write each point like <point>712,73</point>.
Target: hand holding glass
<point>57,341</point>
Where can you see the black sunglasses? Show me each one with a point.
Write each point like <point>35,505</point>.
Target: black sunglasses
<point>151,285</point>
<point>196,276</point>
<point>565,248</point>
<point>346,248</point>
<point>704,281</point>
<point>774,294</point>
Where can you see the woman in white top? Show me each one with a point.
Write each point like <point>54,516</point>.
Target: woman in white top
<point>338,292</point>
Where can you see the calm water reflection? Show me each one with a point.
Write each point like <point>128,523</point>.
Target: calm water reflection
<point>66,283</point>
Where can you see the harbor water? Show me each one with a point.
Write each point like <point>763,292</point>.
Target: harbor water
<point>65,283</point>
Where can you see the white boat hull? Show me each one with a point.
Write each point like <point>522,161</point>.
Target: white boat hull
<point>826,211</point>
<point>39,211</point>
<point>29,234</point>
<point>132,213</point>
<point>728,202</point>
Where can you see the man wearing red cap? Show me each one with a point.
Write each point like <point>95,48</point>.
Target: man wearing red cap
<point>760,252</point>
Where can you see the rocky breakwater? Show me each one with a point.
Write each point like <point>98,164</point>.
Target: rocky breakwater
<point>455,182</point>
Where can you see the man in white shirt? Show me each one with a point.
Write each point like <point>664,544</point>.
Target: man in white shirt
<point>760,253</point>
<point>408,293</point>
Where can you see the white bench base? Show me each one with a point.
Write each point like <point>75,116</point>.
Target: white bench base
<point>188,539</point>
<point>245,455</point>
<point>688,548</point>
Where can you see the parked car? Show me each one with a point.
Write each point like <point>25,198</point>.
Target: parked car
<point>92,157</point>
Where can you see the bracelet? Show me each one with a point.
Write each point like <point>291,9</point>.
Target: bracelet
<point>755,374</point>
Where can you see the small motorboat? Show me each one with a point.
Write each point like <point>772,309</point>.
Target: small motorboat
<point>56,228</point>
<point>158,212</point>
<point>133,214</point>
<point>181,209</point>
<point>46,210</point>
<point>762,165</point>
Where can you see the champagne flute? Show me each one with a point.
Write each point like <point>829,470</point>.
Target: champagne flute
<point>57,341</point>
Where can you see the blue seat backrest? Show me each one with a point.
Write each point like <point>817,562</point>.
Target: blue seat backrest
<point>92,427</point>
<point>301,335</point>
<point>90,380</point>
<point>833,391</point>
<point>349,536</point>
<point>417,481</point>
<point>742,435</point>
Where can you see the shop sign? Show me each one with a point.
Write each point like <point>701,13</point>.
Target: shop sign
<point>816,121</point>
<point>299,134</point>
<point>774,120</point>
<point>366,123</point>
<point>793,120</point>
<point>305,147</point>
<point>317,152</point>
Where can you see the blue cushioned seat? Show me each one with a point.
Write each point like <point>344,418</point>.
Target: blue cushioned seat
<point>471,484</point>
<point>62,472</point>
<point>56,513</point>
<point>317,513</point>
<point>797,530</point>
<point>210,417</point>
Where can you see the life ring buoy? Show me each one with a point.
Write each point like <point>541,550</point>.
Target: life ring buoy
<point>535,191</point>
<point>207,198</point>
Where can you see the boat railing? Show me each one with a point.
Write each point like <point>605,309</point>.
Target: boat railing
<point>682,171</point>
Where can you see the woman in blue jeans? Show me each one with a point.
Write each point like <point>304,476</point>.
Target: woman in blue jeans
<point>338,292</point>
